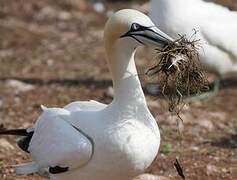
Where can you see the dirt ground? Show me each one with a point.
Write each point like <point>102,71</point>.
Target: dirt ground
<point>56,51</point>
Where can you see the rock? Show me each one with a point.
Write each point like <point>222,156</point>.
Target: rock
<point>46,13</point>
<point>17,100</point>
<point>99,7</point>
<point>150,177</point>
<point>110,91</point>
<point>19,86</point>
<point>211,169</point>
<point>6,145</point>
<point>195,148</point>
<point>5,53</point>
<point>224,170</point>
<point>207,124</point>
<point>64,15</point>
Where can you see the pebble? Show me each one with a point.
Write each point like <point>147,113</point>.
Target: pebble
<point>195,148</point>
<point>110,91</point>
<point>6,53</point>
<point>211,169</point>
<point>207,124</point>
<point>64,16</point>
<point>99,7</point>
<point>150,177</point>
<point>46,13</point>
<point>6,145</point>
<point>19,86</point>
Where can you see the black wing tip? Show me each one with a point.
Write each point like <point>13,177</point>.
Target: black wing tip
<point>18,132</point>
<point>24,143</point>
<point>58,169</point>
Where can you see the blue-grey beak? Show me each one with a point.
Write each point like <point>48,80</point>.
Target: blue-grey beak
<point>149,36</point>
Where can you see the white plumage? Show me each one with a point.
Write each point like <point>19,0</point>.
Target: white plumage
<point>93,141</point>
<point>216,26</point>
<point>53,131</point>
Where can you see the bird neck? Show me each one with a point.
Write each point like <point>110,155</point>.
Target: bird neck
<point>127,86</point>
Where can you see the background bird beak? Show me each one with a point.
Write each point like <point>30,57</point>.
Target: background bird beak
<point>150,36</point>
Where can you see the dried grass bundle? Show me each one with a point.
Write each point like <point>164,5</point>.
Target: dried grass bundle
<point>179,71</point>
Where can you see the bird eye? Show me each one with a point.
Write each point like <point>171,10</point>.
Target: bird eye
<point>135,26</point>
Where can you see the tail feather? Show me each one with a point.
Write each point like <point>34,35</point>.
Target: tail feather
<point>30,168</point>
<point>26,168</point>
<point>43,173</point>
<point>18,132</point>
<point>24,141</point>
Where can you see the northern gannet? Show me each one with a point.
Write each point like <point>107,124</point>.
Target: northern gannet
<point>88,140</point>
<point>216,26</point>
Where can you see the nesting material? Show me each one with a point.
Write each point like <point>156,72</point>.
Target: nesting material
<point>179,72</point>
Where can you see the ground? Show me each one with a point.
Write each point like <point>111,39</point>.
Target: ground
<point>56,49</point>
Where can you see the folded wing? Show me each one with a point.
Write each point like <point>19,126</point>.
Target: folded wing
<point>56,143</point>
<point>85,106</point>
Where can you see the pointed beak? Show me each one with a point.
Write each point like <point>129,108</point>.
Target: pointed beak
<point>150,36</point>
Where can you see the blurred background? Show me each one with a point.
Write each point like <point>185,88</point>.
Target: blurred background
<point>51,53</point>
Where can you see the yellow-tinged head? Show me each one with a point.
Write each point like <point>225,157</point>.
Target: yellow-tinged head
<point>135,28</point>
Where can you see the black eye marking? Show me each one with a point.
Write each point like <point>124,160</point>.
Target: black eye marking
<point>138,27</point>
<point>135,27</point>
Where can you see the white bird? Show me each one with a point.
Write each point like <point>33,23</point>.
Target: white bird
<point>93,141</point>
<point>216,26</point>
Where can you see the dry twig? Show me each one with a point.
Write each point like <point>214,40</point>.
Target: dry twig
<point>179,71</point>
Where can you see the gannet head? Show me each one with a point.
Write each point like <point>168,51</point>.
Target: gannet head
<point>133,29</point>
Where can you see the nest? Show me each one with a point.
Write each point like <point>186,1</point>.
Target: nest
<point>179,71</point>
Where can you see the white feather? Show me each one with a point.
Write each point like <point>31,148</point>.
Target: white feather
<point>85,106</point>
<point>26,168</point>
<point>216,25</point>
<point>66,146</point>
